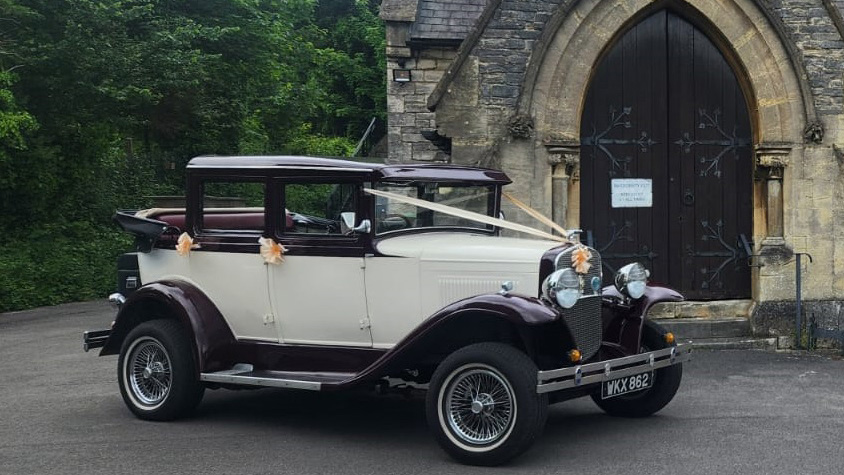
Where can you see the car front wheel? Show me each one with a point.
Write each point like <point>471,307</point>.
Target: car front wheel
<point>648,401</point>
<point>156,372</point>
<point>482,404</point>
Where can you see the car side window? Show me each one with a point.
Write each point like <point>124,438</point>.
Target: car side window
<point>232,206</point>
<point>393,215</point>
<point>315,208</point>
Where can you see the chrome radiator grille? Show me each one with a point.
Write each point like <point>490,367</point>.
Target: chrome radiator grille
<point>584,322</point>
<point>584,319</point>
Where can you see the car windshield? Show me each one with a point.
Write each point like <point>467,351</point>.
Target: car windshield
<point>394,215</point>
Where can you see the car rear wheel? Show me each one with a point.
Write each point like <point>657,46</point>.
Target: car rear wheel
<point>157,373</point>
<point>648,401</point>
<point>482,404</point>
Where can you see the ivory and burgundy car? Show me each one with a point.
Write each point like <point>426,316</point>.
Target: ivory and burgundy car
<point>325,275</point>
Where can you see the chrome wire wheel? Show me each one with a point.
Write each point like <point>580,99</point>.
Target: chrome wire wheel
<point>482,405</point>
<point>479,405</point>
<point>149,372</point>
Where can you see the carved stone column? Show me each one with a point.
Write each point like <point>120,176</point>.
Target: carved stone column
<point>564,158</point>
<point>771,161</point>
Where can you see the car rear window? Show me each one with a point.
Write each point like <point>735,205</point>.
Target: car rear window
<point>233,206</point>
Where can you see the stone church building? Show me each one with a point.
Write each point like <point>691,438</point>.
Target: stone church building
<point>703,138</point>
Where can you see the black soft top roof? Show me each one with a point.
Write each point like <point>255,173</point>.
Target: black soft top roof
<point>276,164</point>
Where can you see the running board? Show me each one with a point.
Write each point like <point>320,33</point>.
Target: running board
<point>245,375</point>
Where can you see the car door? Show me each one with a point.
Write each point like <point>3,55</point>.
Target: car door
<point>318,292</point>
<point>225,265</point>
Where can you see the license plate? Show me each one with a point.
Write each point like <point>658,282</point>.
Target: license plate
<point>626,385</point>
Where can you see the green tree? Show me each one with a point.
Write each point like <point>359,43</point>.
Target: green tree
<point>103,102</point>
<point>15,126</point>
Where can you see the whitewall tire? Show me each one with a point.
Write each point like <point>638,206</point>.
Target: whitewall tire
<point>482,404</point>
<point>156,371</point>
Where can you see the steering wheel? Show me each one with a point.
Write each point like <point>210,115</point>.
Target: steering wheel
<point>390,222</point>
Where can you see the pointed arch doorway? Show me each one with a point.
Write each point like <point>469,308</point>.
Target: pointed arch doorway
<point>666,160</point>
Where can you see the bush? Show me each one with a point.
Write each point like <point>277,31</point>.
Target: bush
<point>59,263</point>
<point>304,141</point>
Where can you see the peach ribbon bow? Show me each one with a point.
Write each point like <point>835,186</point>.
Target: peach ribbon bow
<point>185,244</point>
<point>271,251</point>
<point>580,259</point>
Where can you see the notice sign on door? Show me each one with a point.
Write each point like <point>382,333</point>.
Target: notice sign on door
<point>632,193</point>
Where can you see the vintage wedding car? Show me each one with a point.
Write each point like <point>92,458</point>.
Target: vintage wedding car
<point>321,274</point>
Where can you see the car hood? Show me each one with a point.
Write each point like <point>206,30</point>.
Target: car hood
<point>465,247</point>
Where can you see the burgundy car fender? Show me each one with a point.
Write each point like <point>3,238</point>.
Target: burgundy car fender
<point>519,312</point>
<point>623,322</point>
<point>518,309</point>
<point>203,322</point>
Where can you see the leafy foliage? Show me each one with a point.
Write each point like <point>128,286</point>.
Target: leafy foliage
<point>59,263</point>
<point>103,102</point>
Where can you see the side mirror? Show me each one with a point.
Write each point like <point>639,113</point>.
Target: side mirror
<point>347,224</point>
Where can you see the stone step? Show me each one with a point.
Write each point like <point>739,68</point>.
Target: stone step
<point>733,343</point>
<point>697,328</point>
<point>703,309</point>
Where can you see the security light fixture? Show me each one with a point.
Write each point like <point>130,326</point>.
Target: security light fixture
<point>401,75</point>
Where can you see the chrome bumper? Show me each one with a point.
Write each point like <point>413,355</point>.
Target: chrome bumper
<point>98,338</point>
<point>95,339</point>
<point>581,375</point>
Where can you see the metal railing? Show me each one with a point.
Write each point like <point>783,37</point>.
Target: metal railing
<point>798,318</point>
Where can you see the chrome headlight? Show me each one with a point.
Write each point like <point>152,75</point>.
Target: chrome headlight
<point>631,280</point>
<point>562,287</point>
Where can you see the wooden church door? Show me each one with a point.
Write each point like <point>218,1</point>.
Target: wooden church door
<point>666,160</point>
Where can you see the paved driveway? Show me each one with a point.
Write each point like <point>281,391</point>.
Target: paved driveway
<point>737,412</point>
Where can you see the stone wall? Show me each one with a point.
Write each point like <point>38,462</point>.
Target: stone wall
<point>809,25</point>
<point>407,114</point>
<point>486,96</point>
<point>779,317</point>
<point>814,224</point>
<point>496,70</point>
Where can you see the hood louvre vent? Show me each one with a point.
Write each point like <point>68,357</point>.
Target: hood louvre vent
<point>453,289</point>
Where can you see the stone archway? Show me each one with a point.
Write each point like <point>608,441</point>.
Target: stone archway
<point>557,81</point>
<point>554,91</point>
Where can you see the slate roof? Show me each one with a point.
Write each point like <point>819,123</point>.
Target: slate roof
<point>445,19</point>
